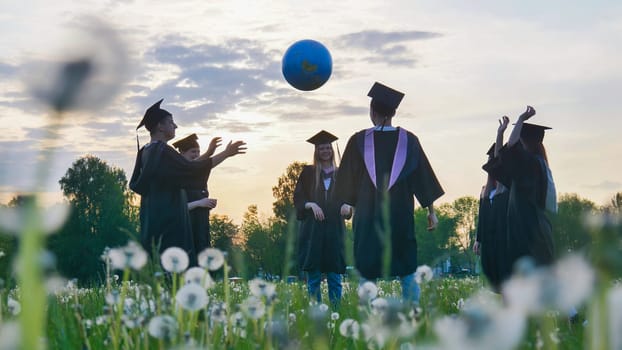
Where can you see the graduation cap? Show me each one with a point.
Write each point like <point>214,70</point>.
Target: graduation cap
<point>153,116</point>
<point>384,100</point>
<point>322,137</point>
<point>187,143</point>
<point>533,132</point>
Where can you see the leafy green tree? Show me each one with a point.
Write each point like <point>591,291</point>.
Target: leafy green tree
<point>101,216</point>
<point>433,247</point>
<point>569,232</point>
<point>283,192</point>
<point>222,232</point>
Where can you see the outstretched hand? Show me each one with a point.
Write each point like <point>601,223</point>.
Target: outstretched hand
<point>530,112</point>
<point>503,124</point>
<point>215,143</point>
<point>237,147</point>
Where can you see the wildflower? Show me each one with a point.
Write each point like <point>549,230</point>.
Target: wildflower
<point>2,253</point>
<point>131,256</point>
<point>614,300</point>
<point>238,320</point>
<point>481,326</point>
<point>261,288</point>
<point>14,306</point>
<point>87,73</point>
<point>211,258</point>
<point>423,274</point>
<point>334,316</point>
<point>574,278</point>
<point>367,291</point>
<point>133,321</point>
<point>253,307</point>
<point>379,305</point>
<point>192,297</point>
<point>14,219</point>
<point>218,312</point>
<point>163,327</point>
<point>349,328</point>
<point>292,318</point>
<point>200,276</point>
<point>174,259</point>
<point>10,334</point>
<point>113,297</point>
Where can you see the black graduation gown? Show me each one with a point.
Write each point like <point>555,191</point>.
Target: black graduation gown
<point>401,171</point>
<point>320,243</point>
<point>492,235</point>
<point>199,218</point>
<point>528,227</point>
<point>159,177</point>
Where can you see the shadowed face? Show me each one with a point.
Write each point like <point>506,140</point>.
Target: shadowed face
<point>167,126</point>
<point>192,153</point>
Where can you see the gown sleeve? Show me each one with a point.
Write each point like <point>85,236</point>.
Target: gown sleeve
<point>425,185</point>
<point>349,174</point>
<point>301,192</point>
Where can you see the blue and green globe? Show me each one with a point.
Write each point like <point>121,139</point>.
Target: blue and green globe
<point>307,65</point>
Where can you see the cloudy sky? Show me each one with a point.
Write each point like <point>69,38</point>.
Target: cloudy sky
<point>217,64</point>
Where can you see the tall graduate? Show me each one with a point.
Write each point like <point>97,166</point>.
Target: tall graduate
<point>160,176</point>
<point>382,168</point>
<point>199,203</point>
<point>322,229</point>
<point>522,166</point>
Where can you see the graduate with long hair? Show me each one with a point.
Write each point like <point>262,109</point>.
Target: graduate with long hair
<point>522,166</point>
<point>322,229</point>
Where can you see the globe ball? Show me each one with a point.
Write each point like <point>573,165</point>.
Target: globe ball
<point>307,65</point>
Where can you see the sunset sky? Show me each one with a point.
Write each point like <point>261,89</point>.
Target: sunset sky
<point>217,64</point>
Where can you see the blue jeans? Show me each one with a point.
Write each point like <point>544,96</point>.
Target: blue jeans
<point>314,278</point>
<point>410,288</point>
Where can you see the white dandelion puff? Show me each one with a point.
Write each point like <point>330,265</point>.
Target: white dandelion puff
<point>575,280</point>
<point>192,297</point>
<point>211,258</point>
<point>423,274</point>
<point>253,307</point>
<point>50,219</point>
<point>261,288</point>
<point>334,316</point>
<point>174,259</point>
<point>200,276</point>
<point>85,73</point>
<point>131,256</point>
<point>14,306</point>
<point>379,306</point>
<point>163,327</point>
<point>367,291</point>
<point>349,328</point>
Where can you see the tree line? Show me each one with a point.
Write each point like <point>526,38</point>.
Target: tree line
<point>104,213</point>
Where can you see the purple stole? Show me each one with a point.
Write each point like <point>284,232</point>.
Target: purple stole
<point>399,159</point>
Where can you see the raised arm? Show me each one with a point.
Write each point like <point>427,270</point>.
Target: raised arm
<point>515,135</point>
<point>503,124</point>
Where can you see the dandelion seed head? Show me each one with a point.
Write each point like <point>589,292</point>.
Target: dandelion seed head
<point>253,307</point>
<point>211,258</point>
<point>163,327</point>
<point>15,220</point>
<point>192,297</point>
<point>367,291</point>
<point>423,274</point>
<point>334,316</point>
<point>14,307</point>
<point>131,256</point>
<point>85,73</point>
<point>175,260</point>
<point>260,288</point>
<point>349,328</point>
